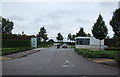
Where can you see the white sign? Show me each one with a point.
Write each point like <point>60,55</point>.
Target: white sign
<point>33,42</point>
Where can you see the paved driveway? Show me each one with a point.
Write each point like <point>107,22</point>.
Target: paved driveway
<point>52,61</point>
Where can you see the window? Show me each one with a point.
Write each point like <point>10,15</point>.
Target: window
<point>83,41</point>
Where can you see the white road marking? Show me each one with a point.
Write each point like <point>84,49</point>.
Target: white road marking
<point>67,64</point>
<point>67,61</point>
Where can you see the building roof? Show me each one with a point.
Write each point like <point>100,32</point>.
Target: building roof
<point>83,37</point>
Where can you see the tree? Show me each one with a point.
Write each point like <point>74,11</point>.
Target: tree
<point>7,26</point>
<point>42,34</point>
<point>115,22</point>
<point>59,37</point>
<point>99,30</point>
<point>45,37</point>
<point>73,37</point>
<point>108,37</point>
<point>69,36</point>
<point>88,35</point>
<point>0,24</point>
<point>51,41</point>
<point>114,36</point>
<point>81,32</point>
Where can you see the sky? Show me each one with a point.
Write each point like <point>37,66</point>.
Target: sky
<point>63,17</point>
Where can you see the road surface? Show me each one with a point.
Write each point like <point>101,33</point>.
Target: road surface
<point>52,61</point>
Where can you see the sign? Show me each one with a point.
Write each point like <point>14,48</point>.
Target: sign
<point>33,42</point>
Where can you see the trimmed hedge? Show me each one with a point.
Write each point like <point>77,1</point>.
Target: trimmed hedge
<point>100,54</point>
<point>97,54</point>
<point>113,48</point>
<point>12,41</point>
<point>15,43</point>
<point>14,36</point>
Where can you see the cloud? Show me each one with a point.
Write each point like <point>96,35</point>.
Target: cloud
<point>16,18</point>
<point>108,4</point>
<point>57,17</point>
<point>62,13</point>
<point>82,20</point>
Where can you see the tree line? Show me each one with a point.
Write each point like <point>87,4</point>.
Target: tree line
<point>99,29</point>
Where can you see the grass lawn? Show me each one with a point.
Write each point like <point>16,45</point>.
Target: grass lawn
<point>6,51</point>
<point>44,46</point>
<point>72,46</point>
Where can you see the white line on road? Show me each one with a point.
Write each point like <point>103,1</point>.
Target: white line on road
<point>67,64</point>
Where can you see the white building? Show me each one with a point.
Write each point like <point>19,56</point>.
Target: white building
<point>89,43</point>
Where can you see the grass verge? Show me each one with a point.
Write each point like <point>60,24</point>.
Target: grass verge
<point>7,51</point>
<point>44,46</point>
<point>100,54</point>
<point>97,54</point>
<point>72,46</point>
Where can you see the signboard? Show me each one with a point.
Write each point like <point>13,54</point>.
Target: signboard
<point>33,42</point>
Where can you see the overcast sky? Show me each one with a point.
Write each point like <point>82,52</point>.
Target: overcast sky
<point>63,17</point>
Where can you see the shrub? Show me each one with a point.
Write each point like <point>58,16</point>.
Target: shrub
<point>117,58</point>
<point>113,48</point>
<point>96,54</point>
<point>12,40</point>
<point>9,43</point>
<point>44,44</point>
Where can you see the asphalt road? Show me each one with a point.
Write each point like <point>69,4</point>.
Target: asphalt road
<point>52,61</point>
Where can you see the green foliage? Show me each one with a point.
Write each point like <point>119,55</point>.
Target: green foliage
<point>115,22</point>
<point>15,43</point>
<point>69,43</point>
<point>88,35</point>
<point>44,44</point>
<point>59,37</point>
<point>12,41</point>
<point>0,24</point>
<point>72,46</point>
<point>99,29</point>
<point>113,48</point>
<point>51,41</point>
<point>117,58</point>
<point>42,34</point>
<point>7,26</point>
<point>71,37</point>
<point>6,51</point>
<point>81,33</point>
<point>97,54</point>
<point>118,43</point>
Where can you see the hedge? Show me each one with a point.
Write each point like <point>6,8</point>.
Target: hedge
<point>100,54</point>
<point>113,48</point>
<point>14,36</point>
<point>43,44</point>
<point>12,41</point>
<point>15,43</point>
<point>97,54</point>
